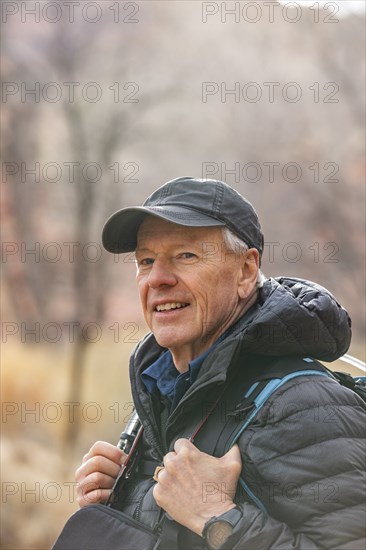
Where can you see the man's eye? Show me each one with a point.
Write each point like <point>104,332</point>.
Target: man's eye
<point>146,261</point>
<point>187,255</point>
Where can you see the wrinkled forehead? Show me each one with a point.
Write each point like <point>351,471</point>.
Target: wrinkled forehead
<point>156,230</point>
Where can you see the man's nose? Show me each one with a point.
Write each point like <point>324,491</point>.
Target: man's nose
<point>161,274</point>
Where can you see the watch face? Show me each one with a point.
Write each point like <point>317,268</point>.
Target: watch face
<point>217,533</point>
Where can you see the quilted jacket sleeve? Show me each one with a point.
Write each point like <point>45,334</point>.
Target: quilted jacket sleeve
<point>303,462</point>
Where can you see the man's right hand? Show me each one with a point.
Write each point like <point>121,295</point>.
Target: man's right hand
<point>97,473</point>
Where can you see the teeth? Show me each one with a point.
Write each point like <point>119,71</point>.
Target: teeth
<point>170,305</point>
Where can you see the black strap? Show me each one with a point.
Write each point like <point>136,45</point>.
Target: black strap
<point>247,373</point>
<point>147,467</point>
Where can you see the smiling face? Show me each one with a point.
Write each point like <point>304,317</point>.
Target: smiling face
<point>191,287</point>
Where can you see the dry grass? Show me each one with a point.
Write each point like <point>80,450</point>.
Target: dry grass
<point>37,465</point>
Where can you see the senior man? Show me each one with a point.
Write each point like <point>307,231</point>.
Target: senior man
<point>198,246</point>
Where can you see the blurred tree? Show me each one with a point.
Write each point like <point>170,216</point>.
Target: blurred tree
<point>170,131</point>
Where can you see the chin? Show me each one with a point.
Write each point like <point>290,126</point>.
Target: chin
<point>165,342</point>
<point>169,340</point>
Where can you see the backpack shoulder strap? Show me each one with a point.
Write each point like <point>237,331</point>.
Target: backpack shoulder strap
<point>258,399</point>
<point>246,394</point>
<point>250,387</point>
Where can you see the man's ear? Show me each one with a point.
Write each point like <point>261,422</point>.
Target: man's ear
<point>248,273</point>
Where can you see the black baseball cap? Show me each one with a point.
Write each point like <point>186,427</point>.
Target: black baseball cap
<point>186,201</point>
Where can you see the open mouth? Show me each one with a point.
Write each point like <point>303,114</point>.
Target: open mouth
<point>169,306</point>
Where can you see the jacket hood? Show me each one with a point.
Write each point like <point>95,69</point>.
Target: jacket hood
<point>297,317</point>
<point>292,317</point>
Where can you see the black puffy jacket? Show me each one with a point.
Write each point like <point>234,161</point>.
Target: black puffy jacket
<point>304,463</point>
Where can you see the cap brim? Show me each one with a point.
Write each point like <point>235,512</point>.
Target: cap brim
<point>120,230</point>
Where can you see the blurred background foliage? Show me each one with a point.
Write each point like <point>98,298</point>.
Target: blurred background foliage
<point>66,384</point>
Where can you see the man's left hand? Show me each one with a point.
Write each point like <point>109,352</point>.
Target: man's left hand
<point>194,486</point>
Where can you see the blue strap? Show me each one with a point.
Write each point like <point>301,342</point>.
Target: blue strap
<point>269,389</point>
<point>259,401</point>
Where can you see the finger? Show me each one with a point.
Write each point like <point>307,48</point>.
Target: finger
<point>94,488</point>
<point>108,450</point>
<point>93,497</point>
<point>97,464</point>
<point>184,445</point>
<point>158,470</point>
<point>168,458</point>
<point>95,481</point>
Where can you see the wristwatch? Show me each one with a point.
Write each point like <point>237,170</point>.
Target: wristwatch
<point>218,529</point>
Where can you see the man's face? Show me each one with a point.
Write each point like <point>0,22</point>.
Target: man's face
<point>189,286</point>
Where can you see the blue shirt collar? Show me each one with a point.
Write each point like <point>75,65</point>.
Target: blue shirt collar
<point>163,376</point>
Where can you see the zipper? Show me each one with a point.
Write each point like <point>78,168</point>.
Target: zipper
<point>151,429</point>
<point>137,511</point>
